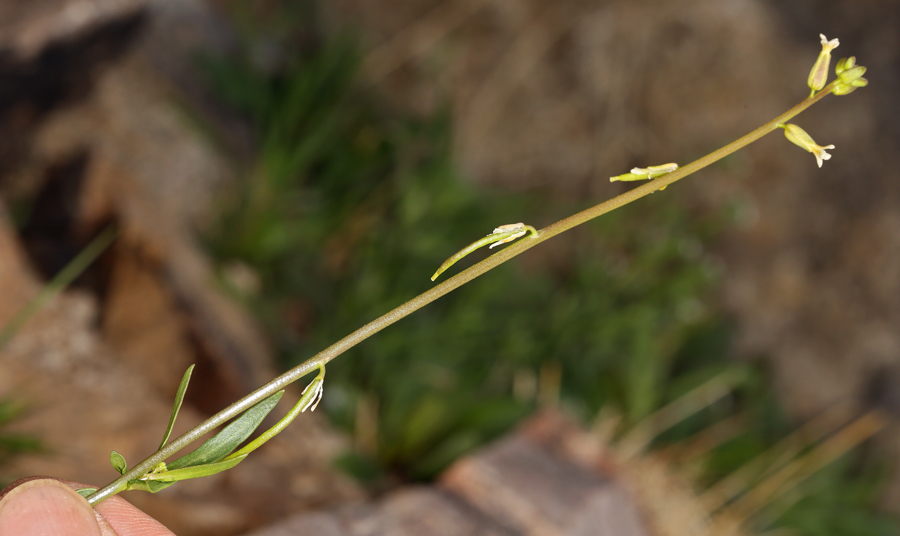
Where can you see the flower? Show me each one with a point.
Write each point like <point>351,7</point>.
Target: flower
<point>799,137</point>
<point>819,73</point>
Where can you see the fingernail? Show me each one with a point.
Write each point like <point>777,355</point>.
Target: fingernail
<point>46,506</point>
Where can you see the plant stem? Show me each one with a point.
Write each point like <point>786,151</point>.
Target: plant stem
<point>436,292</point>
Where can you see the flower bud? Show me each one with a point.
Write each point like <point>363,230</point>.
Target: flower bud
<point>846,88</point>
<point>843,89</point>
<point>819,73</point>
<point>844,64</point>
<point>852,74</point>
<point>799,137</point>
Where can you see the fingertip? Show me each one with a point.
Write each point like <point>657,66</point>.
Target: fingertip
<point>23,503</point>
<point>126,518</point>
<point>46,506</point>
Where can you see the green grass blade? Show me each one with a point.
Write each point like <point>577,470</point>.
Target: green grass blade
<point>62,280</point>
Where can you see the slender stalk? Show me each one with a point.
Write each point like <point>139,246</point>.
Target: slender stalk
<point>59,282</point>
<point>436,292</point>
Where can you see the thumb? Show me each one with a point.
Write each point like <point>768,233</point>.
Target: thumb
<point>46,506</point>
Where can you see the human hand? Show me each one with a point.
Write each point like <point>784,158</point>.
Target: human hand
<point>46,506</point>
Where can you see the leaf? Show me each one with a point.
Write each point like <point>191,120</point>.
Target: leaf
<point>230,437</point>
<point>194,471</point>
<point>179,398</point>
<point>151,486</point>
<point>118,462</point>
<point>86,492</point>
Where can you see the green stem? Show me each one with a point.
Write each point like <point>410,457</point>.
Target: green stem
<point>436,292</point>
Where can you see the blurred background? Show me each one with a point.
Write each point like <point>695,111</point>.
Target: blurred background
<point>721,354</point>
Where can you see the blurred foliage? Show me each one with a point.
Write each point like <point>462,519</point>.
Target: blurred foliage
<point>349,212</point>
<point>13,444</point>
<point>838,500</point>
<point>350,207</point>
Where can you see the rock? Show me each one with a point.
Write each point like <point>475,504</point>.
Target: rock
<point>408,512</point>
<point>528,483</point>
<point>527,488</point>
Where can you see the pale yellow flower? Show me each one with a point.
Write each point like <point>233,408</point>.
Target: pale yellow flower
<point>819,73</point>
<point>799,137</point>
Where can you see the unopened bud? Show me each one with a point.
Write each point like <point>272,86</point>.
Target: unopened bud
<point>846,88</point>
<point>842,89</point>
<point>819,73</point>
<point>852,74</point>
<point>843,64</point>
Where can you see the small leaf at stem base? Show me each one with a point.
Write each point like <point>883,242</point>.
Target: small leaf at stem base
<point>118,462</point>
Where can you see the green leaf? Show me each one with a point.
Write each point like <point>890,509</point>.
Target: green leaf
<point>230,437</point>
<point>86,492</point>
<point>195,471</point>
<point>179,398</point>
<point>151,486</point>
<point>118,462</point>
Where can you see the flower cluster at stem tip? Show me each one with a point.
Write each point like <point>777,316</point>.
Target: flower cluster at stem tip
<point>849,78</point>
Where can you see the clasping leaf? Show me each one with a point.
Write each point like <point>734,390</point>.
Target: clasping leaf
<point>229,438</point>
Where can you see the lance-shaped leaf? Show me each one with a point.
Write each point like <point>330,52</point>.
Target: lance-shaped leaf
<point>194,471</point>
<point>230,437</point>
<point>179,398</point>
